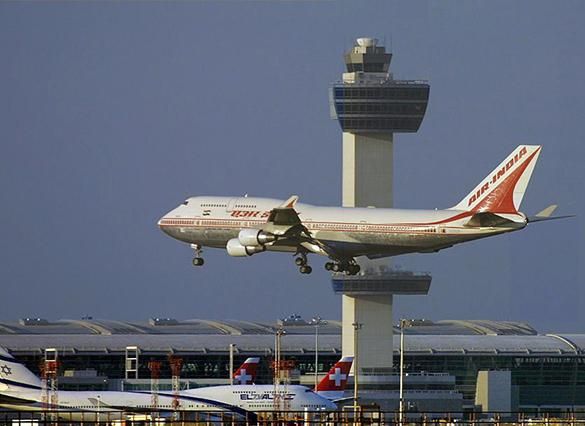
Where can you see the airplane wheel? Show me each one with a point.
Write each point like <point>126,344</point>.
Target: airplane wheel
<point>353,269</point>
<point>300,261</point>
<point>336,267</point>
<point>305,269</point>
<point>329,266</point>
<point>198,261</point>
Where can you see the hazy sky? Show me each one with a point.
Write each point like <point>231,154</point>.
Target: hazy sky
<point>111,113</point>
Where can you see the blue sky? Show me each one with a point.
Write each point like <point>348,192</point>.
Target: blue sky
<point>112,113</point>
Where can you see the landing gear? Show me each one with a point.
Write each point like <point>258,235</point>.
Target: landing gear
<point>351,268</point>
<point>197,260</point>
<point>301,262</point>
<point>305,269</point>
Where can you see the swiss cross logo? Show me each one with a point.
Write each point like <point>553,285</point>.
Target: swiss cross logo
<point>337,377</point>
<point>243,378</point>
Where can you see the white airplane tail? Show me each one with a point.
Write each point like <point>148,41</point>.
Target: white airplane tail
<point>14,376</point>
<point>503,189</point>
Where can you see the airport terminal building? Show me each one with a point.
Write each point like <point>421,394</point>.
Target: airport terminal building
<point>448,363</point>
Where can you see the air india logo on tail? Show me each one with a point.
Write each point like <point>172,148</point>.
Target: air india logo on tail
<point>497,176</point>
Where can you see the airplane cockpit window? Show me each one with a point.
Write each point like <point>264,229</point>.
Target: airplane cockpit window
<point>185,202</point>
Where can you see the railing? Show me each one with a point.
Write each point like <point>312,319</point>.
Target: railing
<point>348,416</point>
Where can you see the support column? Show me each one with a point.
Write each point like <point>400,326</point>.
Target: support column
<point>375,313</point>
<point>367,170</point>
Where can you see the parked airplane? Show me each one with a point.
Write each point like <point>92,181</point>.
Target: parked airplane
<point>21,390</point>
<point>248,225</point>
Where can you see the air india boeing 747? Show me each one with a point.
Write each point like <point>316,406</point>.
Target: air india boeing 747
<point>248,225</point>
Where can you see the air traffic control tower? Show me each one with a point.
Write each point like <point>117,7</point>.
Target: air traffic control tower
<point>370,107</point>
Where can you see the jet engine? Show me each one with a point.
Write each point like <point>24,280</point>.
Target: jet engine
<point>255,237</point>
<point>235,248</point>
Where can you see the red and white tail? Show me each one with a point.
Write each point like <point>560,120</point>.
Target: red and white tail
<point>333,384</point>
<point>503,189</point>
<point>246,374</point>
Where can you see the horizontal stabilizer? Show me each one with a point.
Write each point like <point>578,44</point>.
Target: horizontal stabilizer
<point>546,214</point>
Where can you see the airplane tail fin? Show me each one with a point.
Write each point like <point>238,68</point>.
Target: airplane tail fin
<point>503,189</point>
<point>246,374</point>
<point>14,376</point>
<point>333,384</point>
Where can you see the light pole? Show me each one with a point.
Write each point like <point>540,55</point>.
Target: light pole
<point>356,327</point>
<point>317,321</point>
<point>403,323</point>
<point>232,347</point>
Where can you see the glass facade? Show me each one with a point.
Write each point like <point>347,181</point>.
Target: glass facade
<point>380,108</point>
<point>536,380</point>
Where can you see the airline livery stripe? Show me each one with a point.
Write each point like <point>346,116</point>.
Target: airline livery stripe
<point>22,385</point>
<point>9,359</point>
<point>320,226</point>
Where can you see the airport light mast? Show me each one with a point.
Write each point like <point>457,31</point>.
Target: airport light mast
<point>370,106</point>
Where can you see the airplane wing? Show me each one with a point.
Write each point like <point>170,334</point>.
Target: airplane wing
<point>285,222</point>
<point>285,214</point>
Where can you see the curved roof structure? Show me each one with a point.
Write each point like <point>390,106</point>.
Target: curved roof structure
<point>164,335</point>
<point>170,326</point>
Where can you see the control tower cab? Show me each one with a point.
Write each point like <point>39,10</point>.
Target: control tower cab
<point>368,99</point>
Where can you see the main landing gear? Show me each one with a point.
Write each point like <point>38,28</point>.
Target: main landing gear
<point>351,268</point>
<point>197,260</point>
<point>301,262</point>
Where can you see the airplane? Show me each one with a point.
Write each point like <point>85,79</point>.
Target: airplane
<point>21,390</point>
<point>245,226</point>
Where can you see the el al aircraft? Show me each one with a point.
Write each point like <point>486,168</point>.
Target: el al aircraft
<point>21,390</point>
<point>248,225</point>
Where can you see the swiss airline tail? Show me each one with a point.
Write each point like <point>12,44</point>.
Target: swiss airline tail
<point>503,189</point>
<point>333,384</point>
<point>246,374</point>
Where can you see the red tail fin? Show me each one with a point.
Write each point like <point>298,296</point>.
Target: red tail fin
<point>503,189</point>
<point>246,374</point>
<point>333,384</point>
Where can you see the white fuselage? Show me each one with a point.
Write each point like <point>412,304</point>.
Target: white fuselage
<point>351,232</point>
<point>239,399</point>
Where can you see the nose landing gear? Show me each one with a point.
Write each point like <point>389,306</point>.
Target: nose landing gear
<point>197,260</point>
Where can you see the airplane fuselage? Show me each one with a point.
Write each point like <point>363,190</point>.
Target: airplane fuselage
<point>239,399</point>
<point>351,232</point>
